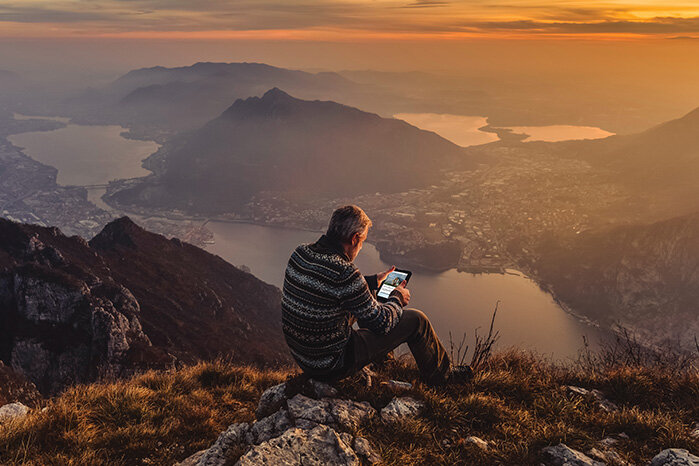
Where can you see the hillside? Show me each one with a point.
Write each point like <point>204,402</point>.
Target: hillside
<point>297,148</point>
<point>661,164</point>
<point>514,410</point>
<point>73,312</point>
<point>645,277</point>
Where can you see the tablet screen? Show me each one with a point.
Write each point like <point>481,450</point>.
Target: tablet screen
<point>394,279</point>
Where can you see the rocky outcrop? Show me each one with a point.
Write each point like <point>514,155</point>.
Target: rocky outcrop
<point>306,429</point>
<point>401,408</point>
<point>562,455</point>
<point>75,312</point>
<point>675,457</point>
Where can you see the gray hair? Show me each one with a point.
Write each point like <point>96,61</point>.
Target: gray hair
<point>346,221</point>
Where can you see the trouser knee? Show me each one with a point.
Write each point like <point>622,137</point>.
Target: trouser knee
<point>417,318</point>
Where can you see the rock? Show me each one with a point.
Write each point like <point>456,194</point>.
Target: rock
<point>363,449</point>
<point>401,408</point>
<point>12,411</point>
<point>562,455</point>
<point>302,407</point>
<point>271,400</point>
<point>573,390</point>
<point>600,401</point>
<point>217,454</point>
<point>695,433</point>
<point>319,446</point>
<point>623,436</point>
<point>192,460</point>
<point>477,441</point>
<point>397,385</point>
<point>675,457</point>
<point>350,414</point>
<point>269,427</point>
<point>608,442</point>
<point>607,456</point>
<point>322,389</point>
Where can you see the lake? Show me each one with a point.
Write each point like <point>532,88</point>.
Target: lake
<point>465,130</point>
<point>456,302</point>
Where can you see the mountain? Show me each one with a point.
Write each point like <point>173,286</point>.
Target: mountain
<point>298,148</point>
<point>645,277</point>
<point>72,311</point>
<point>661,162</point>
<point>185,98</point>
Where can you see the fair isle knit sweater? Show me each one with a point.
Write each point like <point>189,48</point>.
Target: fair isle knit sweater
<point>323,289</point>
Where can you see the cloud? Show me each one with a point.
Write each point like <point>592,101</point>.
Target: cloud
<point>373,16</point>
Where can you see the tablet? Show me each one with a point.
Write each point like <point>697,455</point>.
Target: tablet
<point>393,279</point>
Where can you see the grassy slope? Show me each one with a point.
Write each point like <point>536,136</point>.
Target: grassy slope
<point>518,403</point>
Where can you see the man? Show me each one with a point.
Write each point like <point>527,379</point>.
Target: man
<point>324,293</point>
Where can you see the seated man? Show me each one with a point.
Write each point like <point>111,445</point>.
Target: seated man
<point>324,293</point>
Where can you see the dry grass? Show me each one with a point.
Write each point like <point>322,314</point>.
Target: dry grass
<point>517,402</point>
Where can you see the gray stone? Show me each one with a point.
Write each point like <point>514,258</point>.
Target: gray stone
<point>302,407</point>
<point>13,411</point>
<point>607,456</point>
<point>269,427</point>
<point>271,400</point>
<point>317,447</point>
<point>608,442</point>
<point>350,414</point>
<point>477,441</point>
<point>322,389</point>
<point>232,437</point>
<point>675,457</point>
<point>562,455</point>
<point>600,401</point>
<point>401,408</point>
<point>573,390</point>
<point>363,449</point>
<point>397,385</point>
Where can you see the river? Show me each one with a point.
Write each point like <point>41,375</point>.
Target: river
<point>456,302</point>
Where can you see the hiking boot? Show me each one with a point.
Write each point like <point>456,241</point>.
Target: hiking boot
<point>460,374</point>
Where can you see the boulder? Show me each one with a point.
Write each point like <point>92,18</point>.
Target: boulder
<point>271,400</point>
<point>12,411</point>
<point>675,457</point>
<point>321,389</point>
<point>192,460</point>
<point>562,455</point>
<point>217,455</point>
<point>304,408</point>
<point>401,408</point>
<point>363,448</point>
<point>319,446</point>
<point>269,427</point>
<point>350,414</point>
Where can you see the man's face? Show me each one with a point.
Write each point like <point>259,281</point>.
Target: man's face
<point>357,243</point>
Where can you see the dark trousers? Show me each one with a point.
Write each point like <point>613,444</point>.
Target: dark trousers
<point>415,329</point>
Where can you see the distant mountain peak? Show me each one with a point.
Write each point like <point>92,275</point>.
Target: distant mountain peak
<point>121,231</point>
<point>275,94</point>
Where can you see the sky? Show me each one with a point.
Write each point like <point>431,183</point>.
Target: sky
<point>338,20</point>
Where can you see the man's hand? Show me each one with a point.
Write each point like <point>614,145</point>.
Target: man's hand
<point>403,292</point>
<point>380,277</point>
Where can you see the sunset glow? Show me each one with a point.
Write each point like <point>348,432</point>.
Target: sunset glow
<point>317,20</point>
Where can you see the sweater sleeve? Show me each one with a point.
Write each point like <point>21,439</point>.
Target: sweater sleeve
<point>356,298</point>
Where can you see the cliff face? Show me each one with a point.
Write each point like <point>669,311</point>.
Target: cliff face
<point>71,312</point>
<point>643,277</point>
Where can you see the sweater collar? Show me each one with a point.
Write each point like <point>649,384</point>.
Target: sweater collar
<point>329,244</point>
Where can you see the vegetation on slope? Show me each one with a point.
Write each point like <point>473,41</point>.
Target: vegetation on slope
<point>517,402</point>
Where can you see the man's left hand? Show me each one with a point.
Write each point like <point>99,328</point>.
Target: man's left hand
<point>380,277</point>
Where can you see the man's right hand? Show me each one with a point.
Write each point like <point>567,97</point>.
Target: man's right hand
<point>403,293</point>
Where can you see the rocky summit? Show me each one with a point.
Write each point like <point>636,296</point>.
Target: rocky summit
<point>74,312</point>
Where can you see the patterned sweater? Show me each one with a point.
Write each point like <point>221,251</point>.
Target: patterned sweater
<point>323,289</point>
